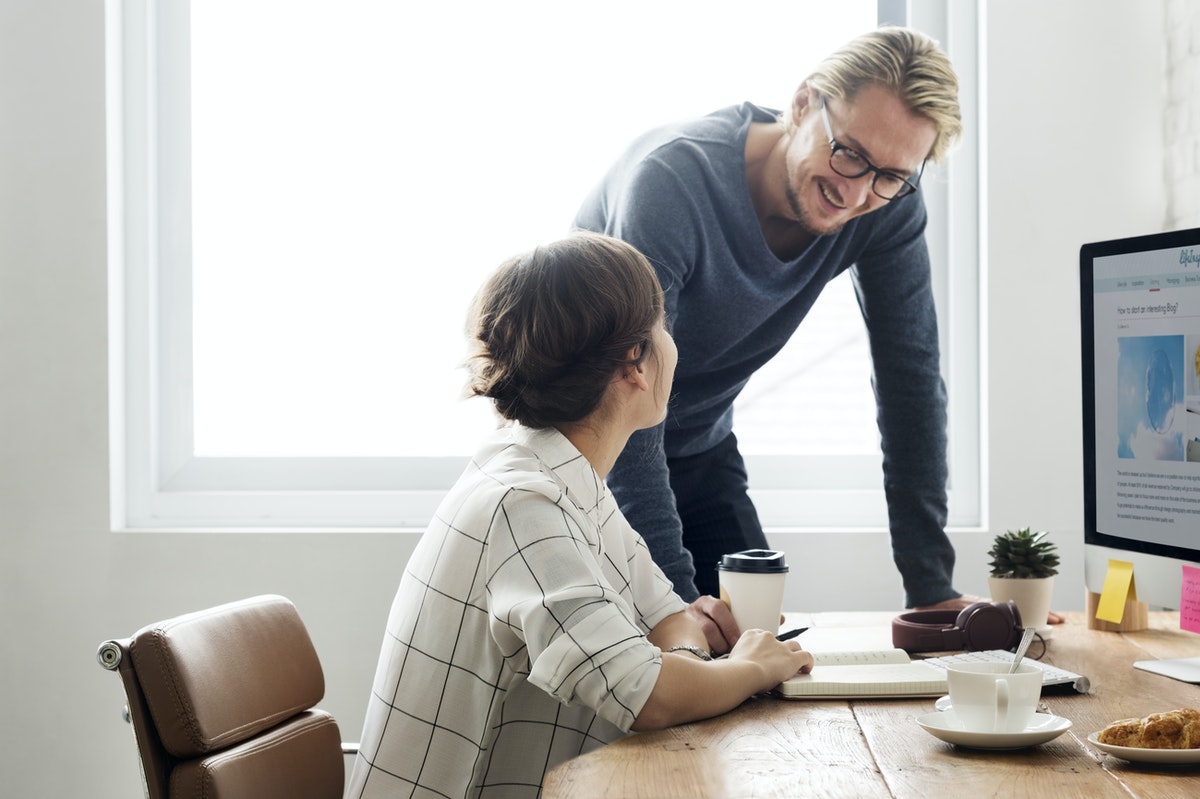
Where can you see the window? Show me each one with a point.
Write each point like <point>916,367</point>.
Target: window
<point>305,195</point>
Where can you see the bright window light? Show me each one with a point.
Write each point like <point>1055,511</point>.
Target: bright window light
<point>358,167</point>
<point>305,196</point>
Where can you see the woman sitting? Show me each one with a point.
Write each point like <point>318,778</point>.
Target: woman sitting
<point>531,624</point>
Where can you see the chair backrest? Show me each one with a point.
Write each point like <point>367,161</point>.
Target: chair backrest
<point>222,705</point>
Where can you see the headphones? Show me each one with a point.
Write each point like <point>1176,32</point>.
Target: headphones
<point>981,626</point>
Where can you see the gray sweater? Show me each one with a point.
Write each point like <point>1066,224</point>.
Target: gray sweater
<point>679,194</point>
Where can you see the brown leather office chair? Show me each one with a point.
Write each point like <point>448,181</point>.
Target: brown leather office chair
<point>222,705</point>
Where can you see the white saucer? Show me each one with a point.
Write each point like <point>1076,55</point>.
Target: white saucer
<point>946,726</point>
<point>1138,755</point>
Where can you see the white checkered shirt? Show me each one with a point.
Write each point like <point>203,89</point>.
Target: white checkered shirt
<point>517,637</point>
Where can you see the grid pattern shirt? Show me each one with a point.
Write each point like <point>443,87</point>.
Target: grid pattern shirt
<point>517,638</point>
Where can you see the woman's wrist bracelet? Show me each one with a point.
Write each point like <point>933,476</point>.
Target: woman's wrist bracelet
<point>695,650</point>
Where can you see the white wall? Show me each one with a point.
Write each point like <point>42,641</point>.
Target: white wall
<point>1073,152</point>
<point>1182,119</point>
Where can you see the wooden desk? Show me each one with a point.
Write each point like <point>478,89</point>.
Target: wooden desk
<point>771,747</point>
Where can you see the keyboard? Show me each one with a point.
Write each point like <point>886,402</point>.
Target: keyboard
<point>1052,675</point>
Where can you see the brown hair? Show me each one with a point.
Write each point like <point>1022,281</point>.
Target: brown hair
<point>550,327</point>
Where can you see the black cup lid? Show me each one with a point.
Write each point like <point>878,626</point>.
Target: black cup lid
<point>759,561</point>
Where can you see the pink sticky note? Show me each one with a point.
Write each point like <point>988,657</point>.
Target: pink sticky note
<point>1189,600</point>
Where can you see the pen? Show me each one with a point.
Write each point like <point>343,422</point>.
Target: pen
<point>790,634</point>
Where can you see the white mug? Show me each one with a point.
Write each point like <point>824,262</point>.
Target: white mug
<point>986,698</point>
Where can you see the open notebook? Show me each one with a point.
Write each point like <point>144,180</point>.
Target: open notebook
<point>892,673</point>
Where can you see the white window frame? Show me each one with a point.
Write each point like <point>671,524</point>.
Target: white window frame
<point>158,484</point>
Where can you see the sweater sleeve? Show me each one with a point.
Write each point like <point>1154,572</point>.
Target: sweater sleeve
<point>648,206</point>
<point>894,289</point>
<point>641,484</point>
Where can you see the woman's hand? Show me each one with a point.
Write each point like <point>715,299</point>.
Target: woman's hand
<point>689,688</point>
<point>778,660</point>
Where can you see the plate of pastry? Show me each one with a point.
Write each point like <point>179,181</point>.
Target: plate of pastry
<point>1171,738</point>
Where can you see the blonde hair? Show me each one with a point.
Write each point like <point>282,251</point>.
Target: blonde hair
<point>905,62</point>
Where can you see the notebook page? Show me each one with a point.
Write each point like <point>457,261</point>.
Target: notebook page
<point>861,657</point>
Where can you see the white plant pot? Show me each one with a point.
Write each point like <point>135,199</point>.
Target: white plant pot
<point>1032,595</point>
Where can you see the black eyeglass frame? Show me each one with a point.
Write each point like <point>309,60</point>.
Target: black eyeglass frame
<point>907,186</point>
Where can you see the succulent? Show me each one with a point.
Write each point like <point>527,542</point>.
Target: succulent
<point>1023,554</point>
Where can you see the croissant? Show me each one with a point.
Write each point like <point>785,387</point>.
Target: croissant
<point>1174,729</point>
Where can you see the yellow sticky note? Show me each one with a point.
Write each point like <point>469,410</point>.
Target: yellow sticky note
<point>1118,589</point>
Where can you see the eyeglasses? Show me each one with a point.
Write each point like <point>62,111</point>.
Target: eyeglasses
<point>852,164</point>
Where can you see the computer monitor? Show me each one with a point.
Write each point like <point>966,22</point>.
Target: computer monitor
<point>1140,315</point>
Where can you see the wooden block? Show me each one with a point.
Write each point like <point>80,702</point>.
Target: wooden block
<point>1136,616</point>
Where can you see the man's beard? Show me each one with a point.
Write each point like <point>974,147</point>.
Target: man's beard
<point>802,217</point>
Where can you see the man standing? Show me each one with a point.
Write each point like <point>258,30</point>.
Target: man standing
<point>747,214</point>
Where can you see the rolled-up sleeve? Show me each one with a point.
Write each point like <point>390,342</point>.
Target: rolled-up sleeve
<point>595,664</point>
<point>551,603</point>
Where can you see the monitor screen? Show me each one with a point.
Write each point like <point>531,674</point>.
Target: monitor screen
<point>1140,303</point>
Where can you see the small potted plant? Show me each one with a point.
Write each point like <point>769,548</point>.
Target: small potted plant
<point>1023,567</point>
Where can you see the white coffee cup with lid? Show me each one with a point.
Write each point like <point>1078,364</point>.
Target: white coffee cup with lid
<point>752,583</point>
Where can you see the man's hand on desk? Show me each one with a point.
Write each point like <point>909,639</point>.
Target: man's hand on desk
<point>960,602</point>
<point>716,621</point>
